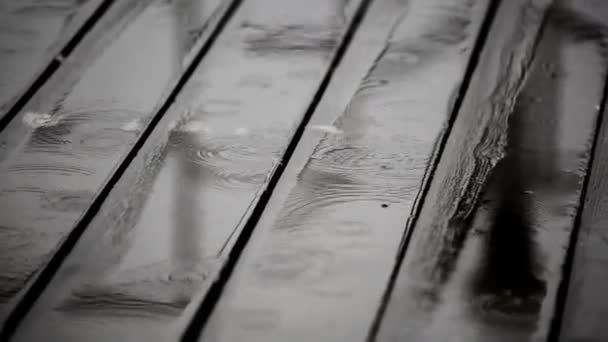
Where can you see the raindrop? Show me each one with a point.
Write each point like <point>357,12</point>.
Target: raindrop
<point>36,120</point>
<point>326,128</point>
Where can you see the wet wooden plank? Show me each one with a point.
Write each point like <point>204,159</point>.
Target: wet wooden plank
<point>586,308</point>
<point>319,259</point>
<point>59,152</point>
<point>586,305</point>
<point>32,34</point>
<point>142,267</point>
<point>486,255</point>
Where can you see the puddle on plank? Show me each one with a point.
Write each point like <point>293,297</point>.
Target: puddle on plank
<point>144,262</point>
<point>491,272</point>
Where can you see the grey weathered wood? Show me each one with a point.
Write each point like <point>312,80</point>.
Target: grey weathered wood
<point>141,268</point>
<point>586,308</point>
<point>318,261</point>
<point>586,311</point>
<point>486,255</point>
<point>62,148</point>
<point>32,35</point>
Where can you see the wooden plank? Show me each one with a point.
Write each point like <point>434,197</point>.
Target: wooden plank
<point>142,267</point>
<point>586,305</point>
<point>586,308</point>
<point>489,270</point>
<point>318,262</point>
<point>60,151</point>
<point>32,35</point>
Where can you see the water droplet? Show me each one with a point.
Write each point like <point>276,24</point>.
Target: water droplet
<point>35,119</point>
<point>326,129</point>
<point>131,126</point>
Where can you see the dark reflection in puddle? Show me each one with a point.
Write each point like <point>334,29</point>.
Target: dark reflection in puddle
<point>491,272</point>
<point>162,288</point>
<point>510,280</point>
<point>507,281</point>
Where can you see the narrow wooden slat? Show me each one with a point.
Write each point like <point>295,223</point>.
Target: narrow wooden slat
<point>489,269</point>
<point>318,262</point>
<point>32,34</point>
<point>586,309</point>
<point>58,153</point>
<point>144,264</point>
<point>586,305</point>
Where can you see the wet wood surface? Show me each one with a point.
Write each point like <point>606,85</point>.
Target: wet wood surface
<point>34,37</point>
<point>173,216</point>
<point>289,170</point>
<point>346,208</point>
<point>489,269</point>
<point>61,149</point>
<point>586,310</point>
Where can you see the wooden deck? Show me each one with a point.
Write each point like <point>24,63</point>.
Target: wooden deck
<point>303,170</point>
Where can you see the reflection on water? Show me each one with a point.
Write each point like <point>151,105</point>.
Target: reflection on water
<point>508,280</point>
<point>513,277</point>
<point>186,237</point>
<point>499,282</point>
